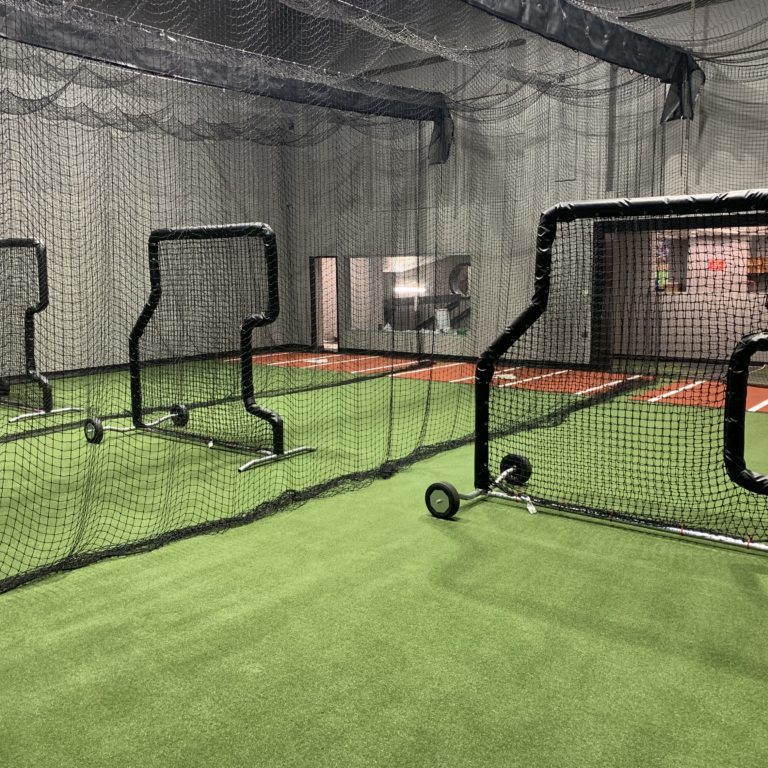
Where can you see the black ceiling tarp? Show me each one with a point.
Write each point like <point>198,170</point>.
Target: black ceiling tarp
<point>583,31</point>
<point>113,40</point>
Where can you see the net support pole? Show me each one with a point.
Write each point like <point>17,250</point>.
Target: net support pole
<point>246,373</point>
<point>260,320</point>
<point>134,339</point>
<point>735,408</point>
<point>486,365</point>
<point>110,39</point>
<point>584,31</point>
<point>29,328</point>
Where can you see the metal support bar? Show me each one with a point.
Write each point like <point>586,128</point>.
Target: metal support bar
<point>269,457</point>
<point>472,495</point>
<point>41,414</point>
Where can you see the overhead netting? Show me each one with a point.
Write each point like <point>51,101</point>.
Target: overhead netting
<point>400,152</point>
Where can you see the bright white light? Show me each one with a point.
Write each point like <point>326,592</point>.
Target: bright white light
<point>410,290</point>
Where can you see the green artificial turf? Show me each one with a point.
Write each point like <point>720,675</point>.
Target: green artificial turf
<point>658,462</point>
<point>63,497</point>
<point>756,442</point>
<point>358,631</point>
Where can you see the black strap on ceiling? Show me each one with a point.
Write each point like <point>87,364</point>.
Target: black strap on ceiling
<point>559,21</point>
<point>113,40</point>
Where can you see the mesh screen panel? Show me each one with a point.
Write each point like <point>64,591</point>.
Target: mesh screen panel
<point>615,396</point>
<point>190,351</point>
<point>20,281</point>
<point>201,113</point>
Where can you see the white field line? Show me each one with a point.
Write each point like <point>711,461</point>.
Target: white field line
<point>428,368</point>
<point>326,361</point>
<point>350,359</point>
<point>469,378</point>
<point>676,391</point>
<point>534,378</point>
<point>607,385</point>
<point>383,367</point>
<point>758,407</point>
<point>257,358</point>
<point>292,361</point>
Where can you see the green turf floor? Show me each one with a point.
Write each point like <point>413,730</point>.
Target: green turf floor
<point>63,498</point>
<point>358,631</point>
<point>756,442</point>
<point>662,463</point>
<point>106,393</point>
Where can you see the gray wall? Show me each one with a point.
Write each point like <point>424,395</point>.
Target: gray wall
<point>703,321</point>
<point>93,191</point>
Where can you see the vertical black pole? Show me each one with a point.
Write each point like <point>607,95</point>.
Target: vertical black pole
<point>134,358</point>
<point>246,344</point>
<point>30,360</point>
<point>483,377</point>
<point>246,382</point>
<point>734,413</point>
<point>486,365</point>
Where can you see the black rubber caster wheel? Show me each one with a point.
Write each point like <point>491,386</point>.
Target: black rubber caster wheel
<point>518,470</point>
<point>442,500</point>
<point>179,415</point>
<point>94,431</point>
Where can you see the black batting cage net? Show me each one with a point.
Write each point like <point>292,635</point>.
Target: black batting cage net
<point>610,388</point>
<point>251,252</point>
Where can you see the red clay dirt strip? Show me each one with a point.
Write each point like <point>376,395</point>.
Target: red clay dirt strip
<point>704,394</point>
<point>340,363</point>
<point>700,392</point>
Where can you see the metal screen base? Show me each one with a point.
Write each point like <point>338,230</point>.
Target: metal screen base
<point>42,414</point>
<point>95,431</point>
<point>268,457</point>
<point>677,530</point>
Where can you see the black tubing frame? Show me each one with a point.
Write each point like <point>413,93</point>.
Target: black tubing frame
<point>721,203</point>
<point>735,408</point>
<point>258,320</point>
<point>30,361</point>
